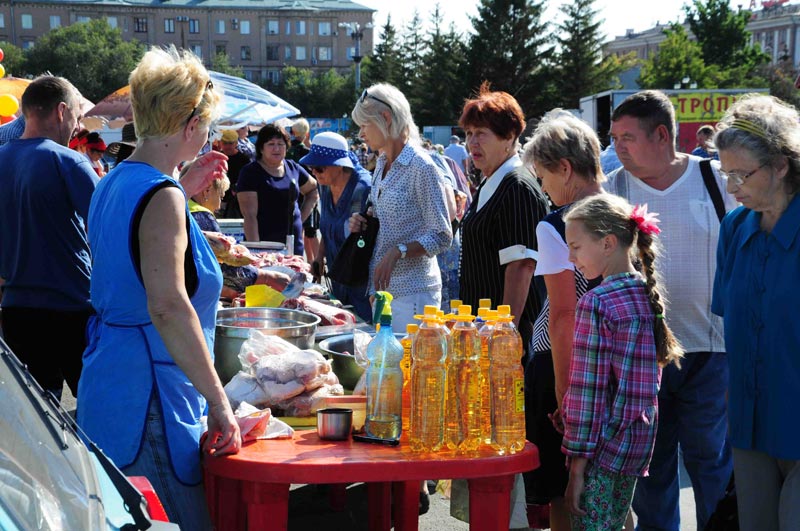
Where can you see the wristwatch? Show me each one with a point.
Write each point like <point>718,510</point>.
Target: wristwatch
<point>403,248</point>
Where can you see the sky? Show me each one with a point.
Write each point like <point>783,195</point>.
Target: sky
<point>618,15</point>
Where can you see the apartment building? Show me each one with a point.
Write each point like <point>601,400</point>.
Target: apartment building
<point>775,26</point>
<point>260,36</point>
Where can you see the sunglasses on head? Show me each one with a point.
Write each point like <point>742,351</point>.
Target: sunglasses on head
<point>365,95</point>
<point>209,86</point>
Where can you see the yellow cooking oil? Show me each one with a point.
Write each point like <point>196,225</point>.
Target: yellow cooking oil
<point>484,334</point>
<point>428,384</point>
<point>463,401</point>
<point>507,387</point>
<point>405,366</point>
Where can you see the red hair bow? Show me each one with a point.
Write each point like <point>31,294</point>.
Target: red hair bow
<point>647,222</point>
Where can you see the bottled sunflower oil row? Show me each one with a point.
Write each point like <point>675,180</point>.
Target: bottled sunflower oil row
<point>507,385</point>
<point>428,383</point>
<point>463,401</point>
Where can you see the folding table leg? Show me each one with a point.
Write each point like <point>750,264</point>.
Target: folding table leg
<point>379,498</point>
<point>267,505</point>
<point>405,505</point>
<point>490,503</point>
<point>228,510</point>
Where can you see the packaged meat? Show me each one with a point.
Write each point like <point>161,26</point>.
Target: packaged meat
<point>244,387</point>
<point>306,404</point>
<point>260,344</point>
<point>330,315</point>
<point>306,367</point>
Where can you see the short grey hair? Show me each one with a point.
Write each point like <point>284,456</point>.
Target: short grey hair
<point>561,135</point>
<point>771,131</point>
<point>381,98</point>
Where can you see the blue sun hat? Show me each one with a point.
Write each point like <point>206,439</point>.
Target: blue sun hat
<point>328,149</point>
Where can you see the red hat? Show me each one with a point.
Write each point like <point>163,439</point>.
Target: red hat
<point>79,139</point>
<point>94,141</point>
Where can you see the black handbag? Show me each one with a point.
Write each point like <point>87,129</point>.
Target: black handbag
<point>351,265</point>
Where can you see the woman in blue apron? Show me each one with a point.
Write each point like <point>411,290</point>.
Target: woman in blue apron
<point>148,374</point>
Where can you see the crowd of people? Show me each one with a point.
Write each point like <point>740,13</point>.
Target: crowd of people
<point>619,383</point>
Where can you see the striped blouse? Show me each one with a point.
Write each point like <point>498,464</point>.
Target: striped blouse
<point>611,405</point>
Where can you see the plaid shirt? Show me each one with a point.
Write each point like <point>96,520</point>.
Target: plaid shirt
<point>611,405</point>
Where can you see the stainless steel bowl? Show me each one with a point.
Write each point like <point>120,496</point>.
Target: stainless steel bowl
<point>344,365</point>
<point>334,424</point>
<point>234,325</point>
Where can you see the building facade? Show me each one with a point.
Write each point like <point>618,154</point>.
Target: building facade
<point>260,36</point>
<point>775,28</point>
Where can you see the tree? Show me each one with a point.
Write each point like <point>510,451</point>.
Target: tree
<point>387,61</point>
<point>438,95</point>
<point>678,57</point>
<point>324,94</point>
<point>221,63</point>
<point>412,51</point>
<point>14,59</point>
<point>511,48</point>
<point>580,68</point>
<point>91,55</point>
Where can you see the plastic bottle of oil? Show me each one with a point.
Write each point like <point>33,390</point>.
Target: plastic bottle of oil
<point>507,387</point>
<point>384,376</point>
<point>428,384</point>
<point>405,366</point>
<point>463,402</point>
<point>484,334</point>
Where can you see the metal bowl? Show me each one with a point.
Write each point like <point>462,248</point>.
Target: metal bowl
<point>234,325</point>
<point>344,365</point>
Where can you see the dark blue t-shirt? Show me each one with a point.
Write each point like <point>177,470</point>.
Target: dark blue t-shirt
<point>45,190</point>
<point>277,201</point>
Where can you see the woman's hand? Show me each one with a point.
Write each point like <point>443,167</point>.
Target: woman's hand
<point>575,487</point>
<point>358,223</point>
<point>203,171</point>
<point>383,272</point>
<point>557,420</point>
<point>224,436</point>
<point>274,279</point>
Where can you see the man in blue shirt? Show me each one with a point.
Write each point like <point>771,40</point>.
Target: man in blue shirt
<point>45,189</point>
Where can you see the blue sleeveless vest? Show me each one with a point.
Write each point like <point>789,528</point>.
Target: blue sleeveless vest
<point>126,363</point>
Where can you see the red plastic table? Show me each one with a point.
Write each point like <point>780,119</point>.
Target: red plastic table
<point>253,485</point>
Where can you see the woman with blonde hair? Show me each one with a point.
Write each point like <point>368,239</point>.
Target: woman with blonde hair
<point>148,374</point>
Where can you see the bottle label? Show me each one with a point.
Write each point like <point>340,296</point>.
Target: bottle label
<point>519,395</point>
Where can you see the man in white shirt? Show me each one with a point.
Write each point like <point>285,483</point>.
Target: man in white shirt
<point>692,404</point>
<point>457,152</point>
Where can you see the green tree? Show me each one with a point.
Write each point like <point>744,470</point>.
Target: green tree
<point>387,60</point>
<point>325,94</point>
<point>438,96</point>
<point>221,63</point>
<point>580,68</point>
<point>678,57</point>
<point>412,50</point>
<point>14,59</point>
<point>511,48</point>
<point>91,55</point>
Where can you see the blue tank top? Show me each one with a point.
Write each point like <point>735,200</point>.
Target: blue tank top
<point>126,363</point>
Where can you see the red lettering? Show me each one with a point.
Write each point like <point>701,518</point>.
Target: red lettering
<point>695,104</point>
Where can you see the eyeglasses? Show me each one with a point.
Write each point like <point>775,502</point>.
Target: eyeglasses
<point>739,178</point>
<point>365,95</point>
<point>209,86</point>
<point>317,169</point>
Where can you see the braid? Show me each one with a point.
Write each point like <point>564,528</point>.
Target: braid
<point>668,349</point>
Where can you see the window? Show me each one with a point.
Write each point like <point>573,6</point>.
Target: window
<point>300,27</point>
<point>274,76</point>
<point>245,53</point>
<point>197,49</point>
<point>112,22</point>
<point>55,21</point>
<point>287,53</point>
<point>82,19</point>
<point>272,27</point>
<point>140,25</point>
<point>2,20</point>
<point>245,27</point>
<point>272,52</point>
<point>27,44</point>
<point>221,49</point>
<point>194,26</point>
<point>325,53</point>
<point>27,21</point>
<point>300,53</point>
<point>324,29</point>
<point>288,27</point>
<point>351,51</point>
<point>169,25</point>
<point>220,27</point>
<point>248,75</point>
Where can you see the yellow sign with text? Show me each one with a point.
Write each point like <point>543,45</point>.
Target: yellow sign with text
<point>702,106</point>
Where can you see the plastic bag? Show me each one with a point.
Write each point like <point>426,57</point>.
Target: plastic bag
<point>361,341</point>
<point>244,387</point>
<point>306,404</point>
<point>252,421</point>
<point>259,345</point>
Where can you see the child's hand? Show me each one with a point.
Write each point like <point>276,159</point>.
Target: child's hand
<point>572,496</point>
<point>557,420</point>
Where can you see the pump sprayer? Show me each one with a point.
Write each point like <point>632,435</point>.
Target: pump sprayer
<point>384,377</point>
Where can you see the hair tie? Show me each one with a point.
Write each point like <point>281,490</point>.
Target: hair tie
<point>750,127</point>
<point>646,222</point>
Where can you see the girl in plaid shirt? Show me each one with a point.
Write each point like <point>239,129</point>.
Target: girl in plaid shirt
<point>621,342</point>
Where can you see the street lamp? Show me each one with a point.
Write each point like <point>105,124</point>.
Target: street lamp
<point>685,83</point>
<point>357,33</point>
<point>182,20</point>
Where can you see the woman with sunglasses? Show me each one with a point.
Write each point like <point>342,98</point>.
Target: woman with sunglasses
<point>409,199</point>
<point>269,190</point>
<point>756,290</point>
<point>148,375</point>
<point>344,191</point>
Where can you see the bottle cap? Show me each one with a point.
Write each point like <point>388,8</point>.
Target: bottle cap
<point>464,309</point>
<point>504,309</point>
<point>483,313</point>
<point>484,303</point>
<point>455,304</point>
<point>383,307</point>
<point>412,328</point>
